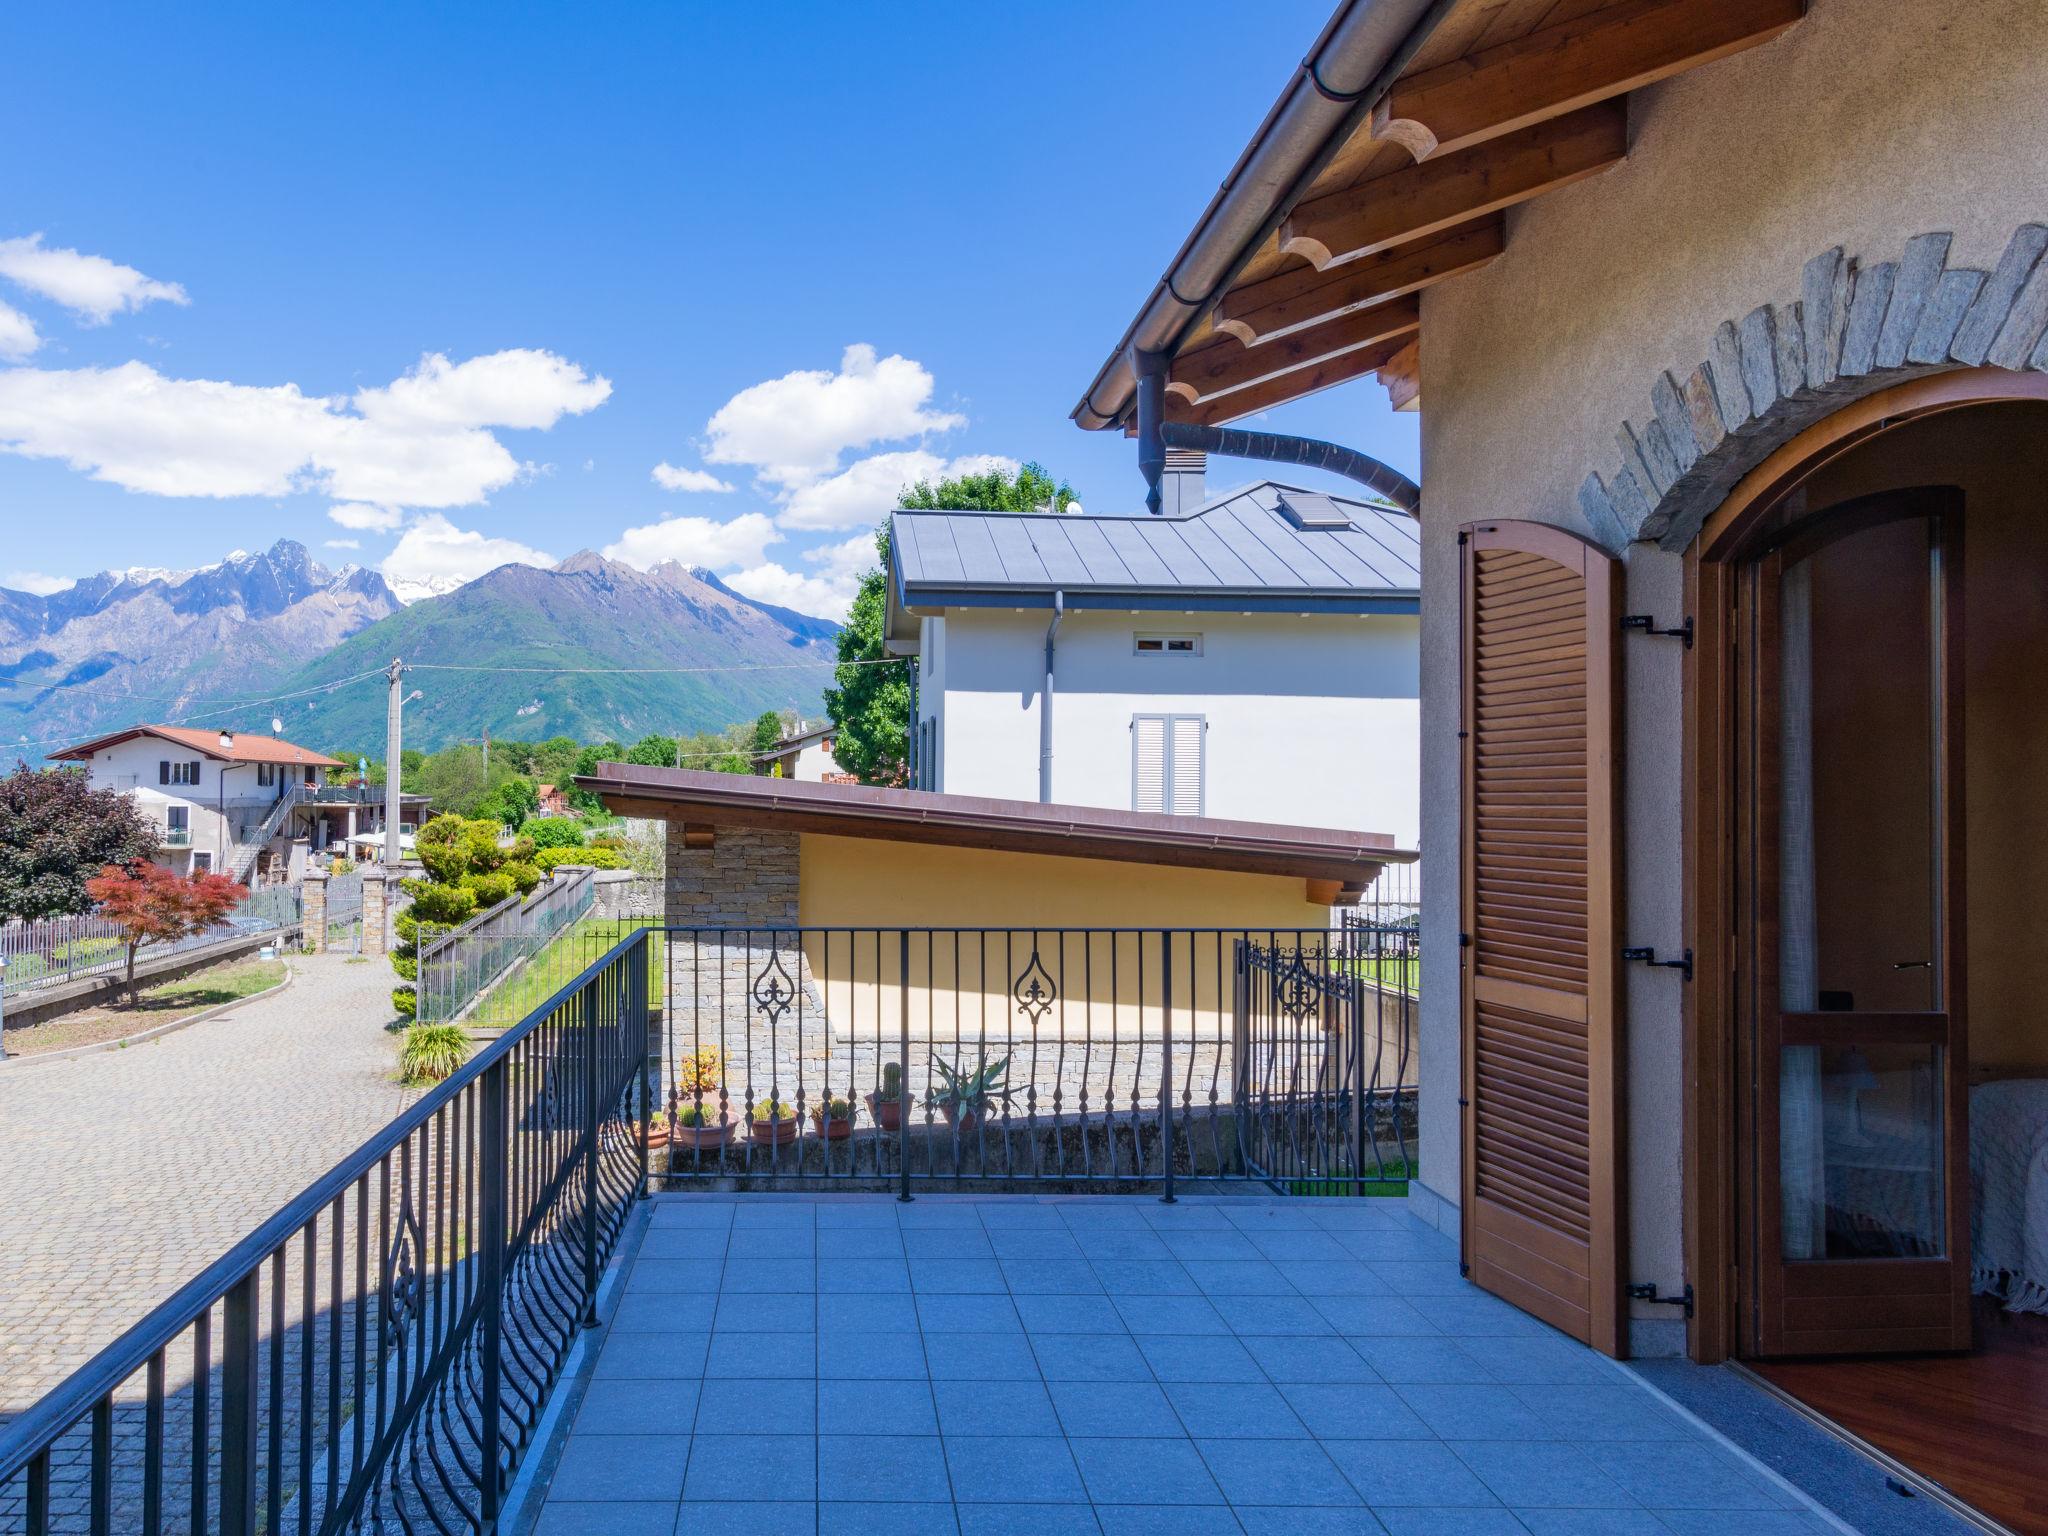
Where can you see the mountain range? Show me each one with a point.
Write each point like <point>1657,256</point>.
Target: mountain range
<point>520,652</point>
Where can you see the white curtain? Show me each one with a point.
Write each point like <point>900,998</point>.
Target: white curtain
<point>1802,1170</point>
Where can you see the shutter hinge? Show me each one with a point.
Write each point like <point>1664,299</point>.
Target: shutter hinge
<point>1464,1103</point>
<point>1648,625</point>
<point>1464,537</point>
<point>1464,735</point>
<point>1464,1269</point>
<point>1646,1290</point>
<point>1645,955</point>
<point>1464,941</point>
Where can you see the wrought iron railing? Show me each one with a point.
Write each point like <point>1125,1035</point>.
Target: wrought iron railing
<point>459,967</point>
<point>377,1355</point>
<point>1072,1058</point>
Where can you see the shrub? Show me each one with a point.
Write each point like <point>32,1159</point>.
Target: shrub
<point>554,832</point>
<point>432,1052</point>
<point>548,859</point>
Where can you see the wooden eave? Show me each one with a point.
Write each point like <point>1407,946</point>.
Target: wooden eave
<point>1504,101</point>
<point>1338,861</point>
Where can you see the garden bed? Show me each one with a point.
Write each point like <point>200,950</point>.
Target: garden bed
<point>164,1003</point>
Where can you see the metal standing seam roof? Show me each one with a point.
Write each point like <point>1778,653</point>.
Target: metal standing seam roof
<point>1239,545</point>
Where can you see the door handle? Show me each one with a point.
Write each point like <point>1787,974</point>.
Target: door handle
<point>1912,965</point>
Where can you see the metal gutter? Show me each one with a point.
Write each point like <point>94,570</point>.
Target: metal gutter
<point>1363,50</point>
<point>1259,600</point>
<point>1052,637</point>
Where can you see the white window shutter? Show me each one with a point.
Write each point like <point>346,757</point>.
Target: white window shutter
<point>1186,756</point>
<point>1148,747</point>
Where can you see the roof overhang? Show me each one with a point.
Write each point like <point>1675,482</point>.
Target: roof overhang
<point>1386,167</point>
<point>1347,862</point>
<point>84,750</point>
<point>933,599</point>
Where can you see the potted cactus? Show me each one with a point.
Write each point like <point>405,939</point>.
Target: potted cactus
<point>699,1127</point>
<point>658,1130</point>
<point>886,1102</point>
<point>773,1121</point>
<point>833,1117</point>
<point>965,1097</point>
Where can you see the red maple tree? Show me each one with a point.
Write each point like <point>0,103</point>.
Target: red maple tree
<point>154,905</point>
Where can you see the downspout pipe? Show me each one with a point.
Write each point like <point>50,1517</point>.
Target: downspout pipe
<point>1355,61</point>
<point>1052,638</point>
<point>1383,480</point>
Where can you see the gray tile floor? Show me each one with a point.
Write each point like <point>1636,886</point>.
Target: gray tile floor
<point>1309,1367</point>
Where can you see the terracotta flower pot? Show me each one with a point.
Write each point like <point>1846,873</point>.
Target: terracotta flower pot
<point>888,1113</point>
<point>657,1138</point>
<point>964,1120</point>
<point>702,1138</point>
<point>832,1130</point>
<point>774,1132</point>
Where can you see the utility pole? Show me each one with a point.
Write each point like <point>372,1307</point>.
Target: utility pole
<point>393,713</point>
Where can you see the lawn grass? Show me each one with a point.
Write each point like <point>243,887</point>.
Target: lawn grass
<point>1395,1171</point>
<point>566,957</point>
<point>164,1003</point>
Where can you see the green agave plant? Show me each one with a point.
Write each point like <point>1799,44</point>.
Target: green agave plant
<point>963,1090</point>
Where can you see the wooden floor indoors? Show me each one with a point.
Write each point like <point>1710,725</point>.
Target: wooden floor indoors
<point>1977,1424</point>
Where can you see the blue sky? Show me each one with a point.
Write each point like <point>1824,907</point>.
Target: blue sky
<point>468,274</point>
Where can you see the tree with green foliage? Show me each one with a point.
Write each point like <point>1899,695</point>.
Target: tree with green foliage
<point>468,871</point>
<point>870,706</point>
<point>767,733</point>
<point>554,832</point>
<point>56,834</point>
<point>1029,489</point>
<point>513,800</point>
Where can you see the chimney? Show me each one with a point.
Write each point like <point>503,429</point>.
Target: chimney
<point>1181,486</point>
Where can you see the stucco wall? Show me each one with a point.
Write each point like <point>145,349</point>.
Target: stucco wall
<point>1867,123</point>
<point>1312,721</point>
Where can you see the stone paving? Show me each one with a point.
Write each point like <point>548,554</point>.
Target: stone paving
<point>1112,1367</point>
<point>124,1172</point>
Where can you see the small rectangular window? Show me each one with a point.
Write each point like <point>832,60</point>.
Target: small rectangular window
<point>1169,645</point>
<point>178,817</point>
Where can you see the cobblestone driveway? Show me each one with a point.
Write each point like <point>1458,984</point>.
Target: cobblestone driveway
<point>124,1172</point>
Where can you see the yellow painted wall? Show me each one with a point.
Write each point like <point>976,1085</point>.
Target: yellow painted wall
<point>963,986</point>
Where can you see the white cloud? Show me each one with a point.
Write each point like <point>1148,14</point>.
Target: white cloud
<point>343,544</point>
<point>91,287</point>
<point>867,490</point>
<point>435,556</point>
<point>827,595</point>
<point>519,388</point>
<point>353,514</point>
<point>35,582</point>
<point>420,442</point>
<point>18,335</point>
<point>793,430</point>
<point>696,541</point>
<point>670,478</point>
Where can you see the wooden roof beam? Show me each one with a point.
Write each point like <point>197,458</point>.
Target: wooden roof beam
<point>1225,363</point>
<point>1282,388</point>
<point>1301,296</point>
<point>1560,69</point>
<point>1449,190</point>
<point>1402,377</point>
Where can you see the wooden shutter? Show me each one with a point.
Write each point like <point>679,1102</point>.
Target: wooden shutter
<point>1542,1194</point>
<point>163,771</point>
<point>1184,765</point>
<point>1148,762</point>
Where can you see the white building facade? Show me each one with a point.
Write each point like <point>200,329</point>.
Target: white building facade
<point>220,800</point>
<point>1228,662</point>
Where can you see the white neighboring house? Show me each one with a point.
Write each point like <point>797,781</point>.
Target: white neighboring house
<point>1255,658</point>
<point>221,800</point>
<point>805,754</point>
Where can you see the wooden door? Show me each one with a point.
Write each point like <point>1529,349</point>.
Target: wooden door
<point>1542,1186</point>
<point>1858,1188</point>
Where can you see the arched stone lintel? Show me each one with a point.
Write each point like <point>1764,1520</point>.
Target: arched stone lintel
<point>1855,329</point>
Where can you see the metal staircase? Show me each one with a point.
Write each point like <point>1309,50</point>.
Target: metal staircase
<point>247,842</point>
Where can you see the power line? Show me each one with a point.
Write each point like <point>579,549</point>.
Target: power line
<point>765,666</point>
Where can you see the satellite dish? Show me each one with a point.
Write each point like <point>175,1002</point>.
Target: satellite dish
<point>276,724</point>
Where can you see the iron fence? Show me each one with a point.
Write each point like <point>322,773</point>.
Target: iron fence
<point>345,910</point>
<point>377,1356</point>
<point>465,964</point>
<point>1070,1058</point>
<point>53,950</point>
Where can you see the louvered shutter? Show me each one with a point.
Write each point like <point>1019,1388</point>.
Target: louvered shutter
<point>1148,762</point>
<point>1185,766</point>
<point>163,771</point>
<point>1542,1033</point>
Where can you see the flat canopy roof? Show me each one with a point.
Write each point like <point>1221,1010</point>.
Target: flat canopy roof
<point>1350,860</point>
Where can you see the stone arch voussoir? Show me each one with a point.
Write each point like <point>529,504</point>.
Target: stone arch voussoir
<point>1857,327</point>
